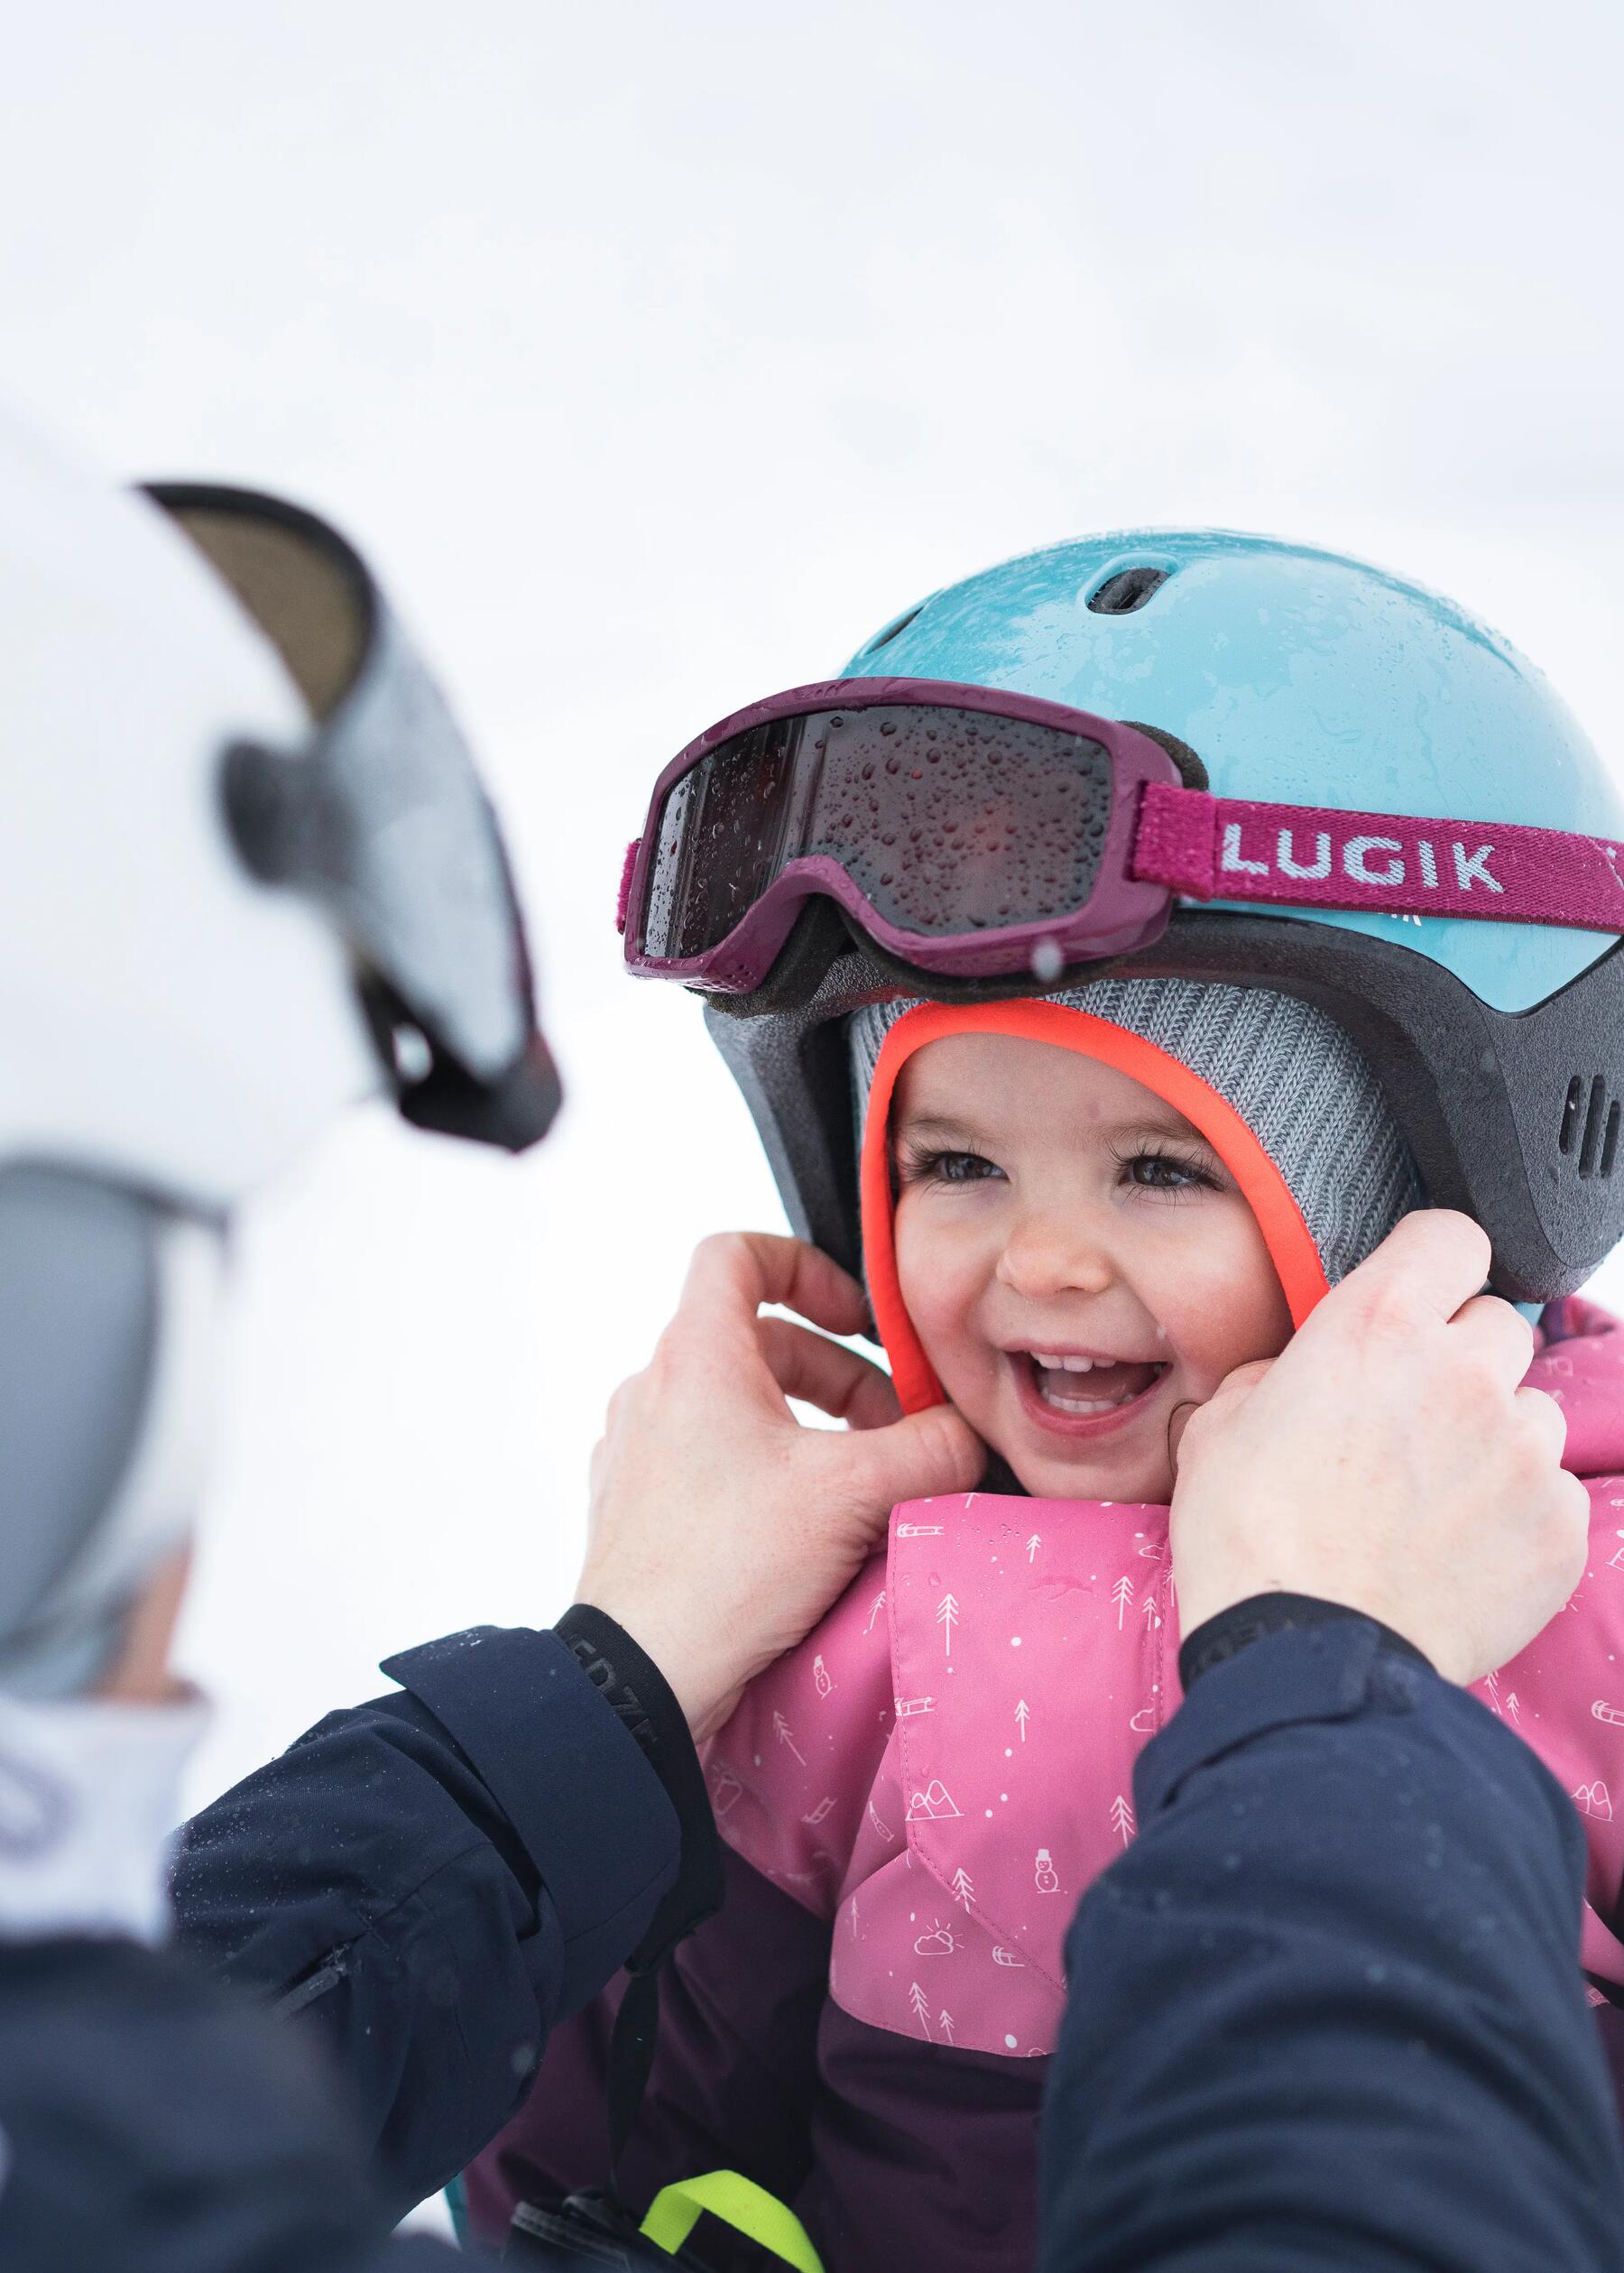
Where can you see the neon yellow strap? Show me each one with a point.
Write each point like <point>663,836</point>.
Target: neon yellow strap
<point>739,2202</point>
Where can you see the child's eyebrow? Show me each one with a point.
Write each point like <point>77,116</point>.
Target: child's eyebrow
<point>1147,1124</point>
<point>944,1129</point>
<point>936,1128</point>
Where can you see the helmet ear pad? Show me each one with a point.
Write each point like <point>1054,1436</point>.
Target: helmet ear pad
<point>1511,1117</point>
<point>1486,1099</point>
<point>794,1069</point>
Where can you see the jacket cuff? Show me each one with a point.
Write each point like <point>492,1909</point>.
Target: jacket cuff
<point>564,1770</point>
<point>642,1698</point>
<point>1243,1623</point>
<point>1329,1670</point>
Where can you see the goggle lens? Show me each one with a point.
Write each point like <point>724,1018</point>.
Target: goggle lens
<point>945,821</point>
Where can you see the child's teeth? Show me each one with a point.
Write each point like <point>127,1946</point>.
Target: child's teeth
<point>1052,1370</point>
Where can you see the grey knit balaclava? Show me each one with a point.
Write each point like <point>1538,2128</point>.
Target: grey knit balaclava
<point>1290,1073</point>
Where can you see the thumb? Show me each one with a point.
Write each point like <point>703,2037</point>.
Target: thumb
<point>1237,1387</point>
<point>1232,1391</point>
<point>1182,1416</point>
<point>926,1453</point>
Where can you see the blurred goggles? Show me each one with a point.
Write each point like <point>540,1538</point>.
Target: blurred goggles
<point>380,820</point>
<point>976,834</point>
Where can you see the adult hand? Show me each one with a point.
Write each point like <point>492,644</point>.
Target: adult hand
<point>1389,1459</point>
<point>721,1529</point>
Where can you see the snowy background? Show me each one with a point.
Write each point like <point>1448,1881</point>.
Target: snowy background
<point>659,354</point>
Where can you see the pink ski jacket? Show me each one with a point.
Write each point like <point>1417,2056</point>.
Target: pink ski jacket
<point>914,1801</point>
<point>946,1763</point>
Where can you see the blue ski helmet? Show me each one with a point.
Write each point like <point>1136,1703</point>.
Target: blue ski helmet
<point>1304,677</point>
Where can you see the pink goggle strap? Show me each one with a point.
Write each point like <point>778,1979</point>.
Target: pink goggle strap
<point>1231,848</point>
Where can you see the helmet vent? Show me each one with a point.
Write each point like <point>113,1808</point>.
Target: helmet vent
<point>1127,589</point>
<point>1597,1145</point>
<point>892,631</point>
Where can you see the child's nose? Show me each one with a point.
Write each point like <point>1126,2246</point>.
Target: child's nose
<point>1050,1252</point>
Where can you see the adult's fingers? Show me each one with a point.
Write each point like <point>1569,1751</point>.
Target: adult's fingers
<point>927,1452</point>
<point>733,1273</point>
<point>1435,1257</point>
<point>827,1374</point>
<point>1236,1385</point>
<point>1545,1417</point>
<point>1182,1416</point>
<point>1566,1527</point>
<point>1500,1334</point>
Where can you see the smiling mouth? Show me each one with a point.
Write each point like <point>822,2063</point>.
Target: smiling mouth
<point>1082,1388</point>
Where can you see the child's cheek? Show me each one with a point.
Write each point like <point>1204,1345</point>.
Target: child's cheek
<point>926,1289</point>
<point>940,1278</point>
<point>1221,1308</point>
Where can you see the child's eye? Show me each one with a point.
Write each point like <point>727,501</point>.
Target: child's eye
<point>1165,1172</point>
<point>948,1168</point>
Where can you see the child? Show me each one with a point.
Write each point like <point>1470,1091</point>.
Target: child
<point>1079,1210</point>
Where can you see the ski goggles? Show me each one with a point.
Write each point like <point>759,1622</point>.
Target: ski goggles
<point>976,834</point>
<point>380,820</point>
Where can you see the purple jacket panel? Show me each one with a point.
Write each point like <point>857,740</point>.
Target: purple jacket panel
<point>733,2075</point>
<point>922,2156</point>
<point>891,2153</point>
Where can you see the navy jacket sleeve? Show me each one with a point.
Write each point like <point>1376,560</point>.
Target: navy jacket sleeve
<point>431,1881</point>
<point>1326,2010</point>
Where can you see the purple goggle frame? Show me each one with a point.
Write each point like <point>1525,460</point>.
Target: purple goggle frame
<point>973,833</point>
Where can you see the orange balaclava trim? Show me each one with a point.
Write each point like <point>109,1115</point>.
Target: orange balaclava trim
<point>1286,1237</point>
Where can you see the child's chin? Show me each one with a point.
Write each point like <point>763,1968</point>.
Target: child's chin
<point>1087,1476</point>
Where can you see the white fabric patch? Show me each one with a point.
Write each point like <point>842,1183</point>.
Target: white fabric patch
<point>89,1804</point>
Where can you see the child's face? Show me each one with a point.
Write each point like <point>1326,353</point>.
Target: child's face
<point>1049,1207</point>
